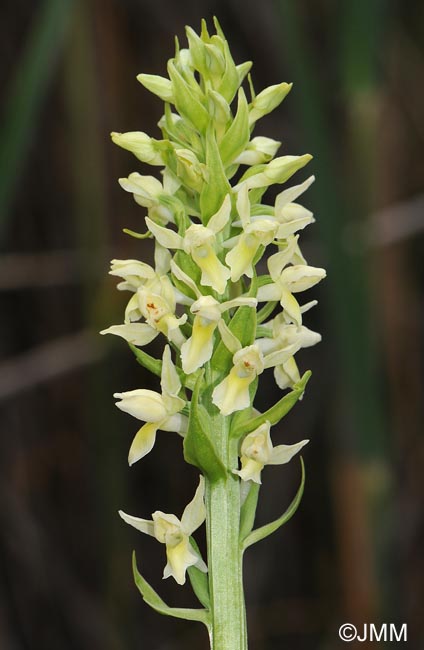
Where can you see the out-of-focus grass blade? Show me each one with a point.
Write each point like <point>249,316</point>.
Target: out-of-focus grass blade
<point>29,84</point>
<point>348,281</point>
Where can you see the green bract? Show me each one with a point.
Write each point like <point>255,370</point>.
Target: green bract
<point>223,315</point>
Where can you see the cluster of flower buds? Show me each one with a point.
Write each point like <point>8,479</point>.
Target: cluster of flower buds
<point>223,315</point>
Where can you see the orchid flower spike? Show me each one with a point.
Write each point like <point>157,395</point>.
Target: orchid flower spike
<point>175,534</point>
<point>257,451</point>
<point>158,411</point>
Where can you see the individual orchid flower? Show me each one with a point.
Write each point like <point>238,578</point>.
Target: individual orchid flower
<point>287,280</point>
<point>257,451</point>
<point>256,233</point>
<point>232,393</point>
<point>158,307</point>
<point>197,350</point>
<point>158,411</point>
<point>175,534</point>
<point>291,216</point>
<point>200,241</point>
<point>155,301</point>
<point>289,337</point>
<point>149,192</point>
<point>136,275</point>
<point>133,272</point>
<point>286,334</point>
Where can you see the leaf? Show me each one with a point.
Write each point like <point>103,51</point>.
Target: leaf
<point>237,136</point>
<point>199,449</point>
<point>199,580</point>
<point>145,360</point>
<point>264,531</point>
<point>213,193</point>
<point>276,412</point>
<point>248,510</point>
<point>152,598</point>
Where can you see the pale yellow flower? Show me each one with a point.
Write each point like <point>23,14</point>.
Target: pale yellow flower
<point>149,192</point>
<point>175,534</point>
<point>159,411</point>
<point>257,451</point>
<point>232,393</point>
<point>287,280</point>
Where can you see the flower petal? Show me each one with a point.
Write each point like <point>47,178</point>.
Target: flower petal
<point>143,442</point>
<point>143,404</point>
<point>250,470</point>
<point>291,194</point>
<point>180,557</point>
<point>287,374</point>
<point>219,220</point>
<point>283,453</point>
<point>194,514</point>
<point>232,394</point>
<point>135,333</point>
<point>170,381</point>
<point>143,525</point>
<point>166,237</point>
<point>197,350</point>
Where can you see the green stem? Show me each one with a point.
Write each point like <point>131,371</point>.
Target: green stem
<point>224,552</point>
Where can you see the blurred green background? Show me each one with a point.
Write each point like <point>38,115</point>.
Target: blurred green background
<point>353,553</point>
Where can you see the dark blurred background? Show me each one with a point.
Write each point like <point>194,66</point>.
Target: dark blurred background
<point>353,552</point>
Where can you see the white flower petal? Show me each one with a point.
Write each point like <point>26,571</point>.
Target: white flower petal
<point>135,333</point>
<point>165,236</point>
<point>143,404</point>
<point>194,514</point>
<point>143,442</point>
<point>143,525</point>
<point>170,381</point>
<point>291,194</point>
<point>219,220</point>
<point>250,470</point>
<point>283,453</point>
